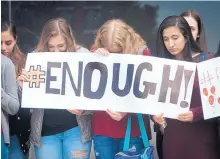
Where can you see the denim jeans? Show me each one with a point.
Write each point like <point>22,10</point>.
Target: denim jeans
<point>65,145</point>
<point>4,148</point>
<point>15,150</point>
<point>107,147</point>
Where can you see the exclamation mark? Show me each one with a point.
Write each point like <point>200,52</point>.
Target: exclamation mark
<point>187,76</point>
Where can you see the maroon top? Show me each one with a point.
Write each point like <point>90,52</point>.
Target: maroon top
<point>103,124</point>
<point>196,140</point>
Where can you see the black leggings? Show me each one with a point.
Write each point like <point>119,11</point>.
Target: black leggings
<point>159,144</point>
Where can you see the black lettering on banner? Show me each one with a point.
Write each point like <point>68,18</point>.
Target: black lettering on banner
<point>87,89</point>
<point>173,84</point>
<point>115,81</point>
<point>66,70</point>
<point>50,78</point>
<point>150,88</point>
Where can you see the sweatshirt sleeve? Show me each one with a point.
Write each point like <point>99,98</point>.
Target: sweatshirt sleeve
<point>197,113</point>
<point>9,95</point>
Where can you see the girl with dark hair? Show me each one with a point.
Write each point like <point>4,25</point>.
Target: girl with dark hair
<point>190,136</point>
<point>195,22</point>
<point>19,123</point>
<point>198,32</point>
<point>171,46</point>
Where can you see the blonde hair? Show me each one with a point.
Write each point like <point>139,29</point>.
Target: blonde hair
<point>116,33</point>
<point>55,27</point>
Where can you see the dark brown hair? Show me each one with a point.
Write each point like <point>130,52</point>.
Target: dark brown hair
<point>201,40</point>
<point>190,47</point>
<point>16,56</point>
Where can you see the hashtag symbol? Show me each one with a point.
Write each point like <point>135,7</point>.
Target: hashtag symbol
<point>36,76</point>
<point>206,79</point>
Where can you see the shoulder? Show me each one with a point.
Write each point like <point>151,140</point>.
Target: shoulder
<point>7,67</point>
<point>6,61</point>
<point>144,51</point>
<point>203,56</point>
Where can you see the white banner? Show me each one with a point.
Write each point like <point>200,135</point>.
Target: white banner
<point>126,83</point>
<point>209,79</point>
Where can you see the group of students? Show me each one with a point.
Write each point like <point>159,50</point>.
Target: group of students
<point>67,134</point>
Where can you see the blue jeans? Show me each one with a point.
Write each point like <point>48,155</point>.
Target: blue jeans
<point>107,147</point>
<point>15,149</point>
<point>4,148</point>
<point>65,145</point>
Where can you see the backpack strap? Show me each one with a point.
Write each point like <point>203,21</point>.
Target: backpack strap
<point>142,131</point>
<point>127,135</point>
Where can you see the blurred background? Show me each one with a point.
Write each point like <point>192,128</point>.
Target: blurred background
<point>86,17</point>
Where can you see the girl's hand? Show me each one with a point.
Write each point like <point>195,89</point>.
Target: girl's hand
<point>116,115</point>
<point>186,117</point>
<point>75,111</point>
<point>159,119</point>
<point>23,78</point>
<point>102,51</point>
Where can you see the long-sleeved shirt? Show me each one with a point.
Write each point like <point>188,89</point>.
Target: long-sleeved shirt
<point>195,140</point>
<point>9,94</point>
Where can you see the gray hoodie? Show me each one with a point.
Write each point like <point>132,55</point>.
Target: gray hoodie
<point>9,95</point>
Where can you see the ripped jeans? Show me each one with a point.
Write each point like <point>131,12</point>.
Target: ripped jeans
<point>65,145</point>
<point>107,147</point>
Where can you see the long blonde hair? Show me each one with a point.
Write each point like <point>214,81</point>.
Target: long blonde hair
<point>116,33</point>
<point>55,27</point>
